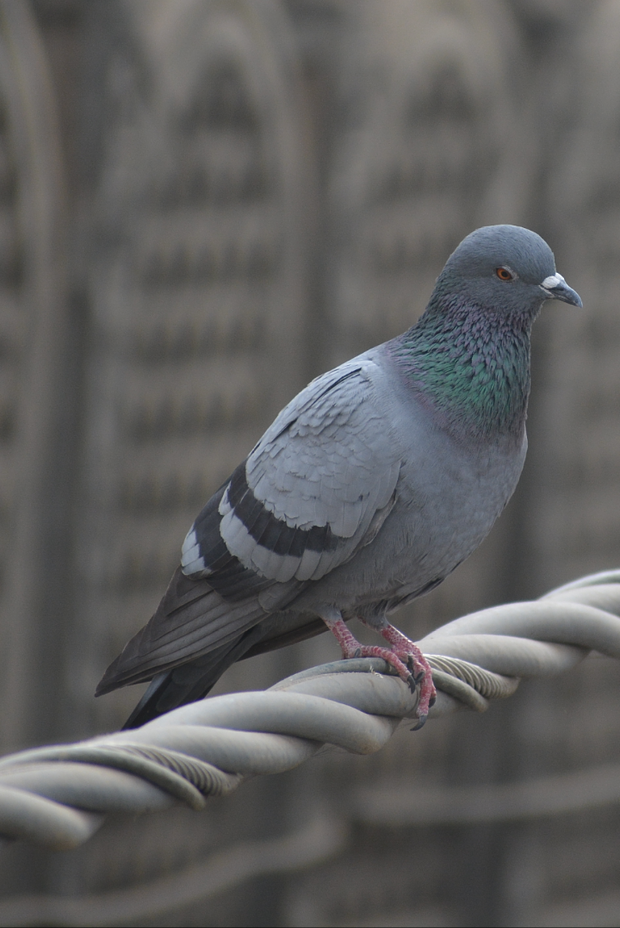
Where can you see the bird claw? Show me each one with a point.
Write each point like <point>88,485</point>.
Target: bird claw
<point>414,680</point>
<point>421,722</point>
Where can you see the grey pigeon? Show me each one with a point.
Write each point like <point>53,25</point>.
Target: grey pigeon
<point>369,488</point>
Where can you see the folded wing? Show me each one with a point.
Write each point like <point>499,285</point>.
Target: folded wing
<point>317,486</point>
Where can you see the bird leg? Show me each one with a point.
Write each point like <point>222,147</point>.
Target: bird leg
<point>404,656</point>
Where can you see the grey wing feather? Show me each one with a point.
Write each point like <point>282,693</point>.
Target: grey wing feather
<point>315,481</point>
<point>317,486</point>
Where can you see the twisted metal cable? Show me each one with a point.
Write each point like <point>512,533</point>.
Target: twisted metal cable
<point>58,796</point>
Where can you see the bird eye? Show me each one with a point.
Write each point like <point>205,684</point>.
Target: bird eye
<point>504,273</point>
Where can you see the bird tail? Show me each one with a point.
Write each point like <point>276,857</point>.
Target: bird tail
<point>189,682</point>
<point>192,620</point>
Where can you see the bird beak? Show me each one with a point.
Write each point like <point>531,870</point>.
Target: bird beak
<point>556,288</point>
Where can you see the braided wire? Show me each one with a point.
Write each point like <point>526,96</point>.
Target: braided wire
<point>489,685</point>
<point>58,796</point>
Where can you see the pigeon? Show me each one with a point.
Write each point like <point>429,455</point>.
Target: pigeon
<point>370,487</point>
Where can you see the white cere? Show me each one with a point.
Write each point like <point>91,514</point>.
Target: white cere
<point>553,281</point>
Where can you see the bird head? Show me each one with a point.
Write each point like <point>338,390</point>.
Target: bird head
<point>506,269</point>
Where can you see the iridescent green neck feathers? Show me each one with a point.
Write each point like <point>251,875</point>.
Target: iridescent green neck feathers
<point>471,366</point>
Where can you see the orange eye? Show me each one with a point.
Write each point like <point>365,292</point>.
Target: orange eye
<point>504,274</point>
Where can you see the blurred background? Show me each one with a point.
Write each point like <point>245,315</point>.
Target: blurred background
<point>204,203</point>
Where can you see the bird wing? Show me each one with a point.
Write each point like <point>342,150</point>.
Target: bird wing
<point>318,486</point>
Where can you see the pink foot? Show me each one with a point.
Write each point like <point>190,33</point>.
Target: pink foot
<point>404,656</point>
<point>419,666</point>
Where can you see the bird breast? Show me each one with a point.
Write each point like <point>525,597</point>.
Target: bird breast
<point>448,496</point>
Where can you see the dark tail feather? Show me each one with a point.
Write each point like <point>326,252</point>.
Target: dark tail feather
<point>189,682</point>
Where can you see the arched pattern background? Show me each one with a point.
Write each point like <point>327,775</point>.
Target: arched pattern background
<point>32,320</point>
<point>258,189</point>
<point>582,371</point>
<point>428,149</point>
<point>198,294</point>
